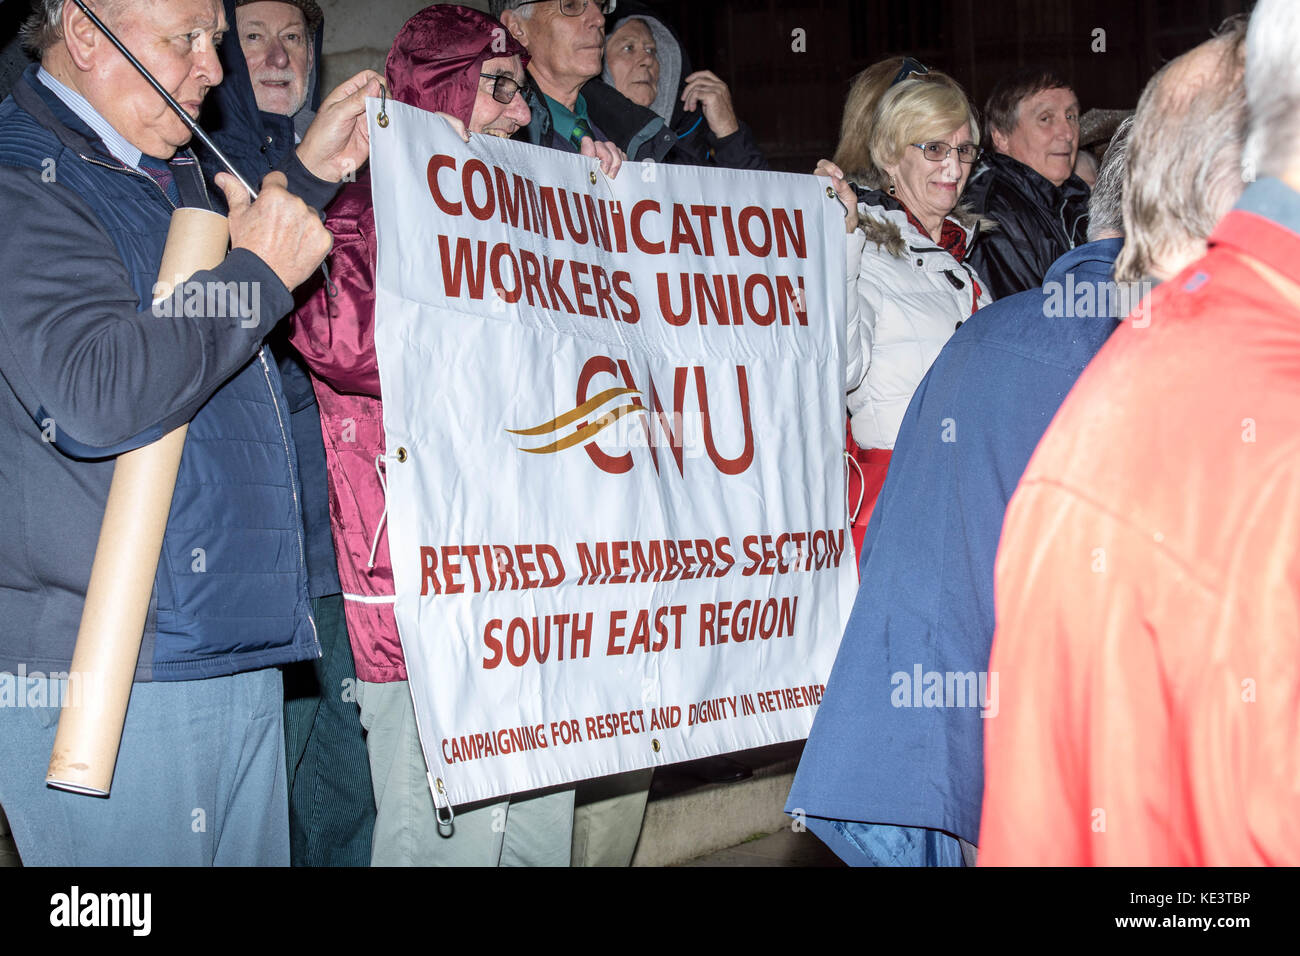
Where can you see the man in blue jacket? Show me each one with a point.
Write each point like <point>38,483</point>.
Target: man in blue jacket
<point>893,769</point>
<point>92,164</point>
<point>256,116</point>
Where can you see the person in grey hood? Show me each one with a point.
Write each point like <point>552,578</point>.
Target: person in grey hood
<point>264,104</point>
<point>645,62</point>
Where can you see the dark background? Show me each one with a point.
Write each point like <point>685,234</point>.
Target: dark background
<point>793,100</point>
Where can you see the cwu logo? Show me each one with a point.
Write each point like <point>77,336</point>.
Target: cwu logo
<point>685,428</point>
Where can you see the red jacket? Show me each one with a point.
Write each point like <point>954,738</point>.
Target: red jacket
<point>434,64</point>
<point>1148,584</point>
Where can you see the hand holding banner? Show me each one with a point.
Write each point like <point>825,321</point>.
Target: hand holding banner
<point>614,419</point>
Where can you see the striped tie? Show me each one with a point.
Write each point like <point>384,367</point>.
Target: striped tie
<point>580,129</point>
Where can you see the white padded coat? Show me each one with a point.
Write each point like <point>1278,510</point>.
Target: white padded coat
<point>909,298</point>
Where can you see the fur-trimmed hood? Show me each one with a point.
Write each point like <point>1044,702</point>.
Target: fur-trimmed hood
<point>886,230</point>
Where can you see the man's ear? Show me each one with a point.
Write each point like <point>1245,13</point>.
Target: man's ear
<point>81,38</point>
<point>516,25</point>
<point>1000,140</point>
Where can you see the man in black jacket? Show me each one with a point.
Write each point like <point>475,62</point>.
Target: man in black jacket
<point>1028,185</point>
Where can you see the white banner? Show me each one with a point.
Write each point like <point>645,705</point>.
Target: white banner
<point>615,422</point>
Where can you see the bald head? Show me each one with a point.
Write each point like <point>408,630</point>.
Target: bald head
<point>1185,151</point>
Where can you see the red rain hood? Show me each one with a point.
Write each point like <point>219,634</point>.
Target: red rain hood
<point>437,56</point>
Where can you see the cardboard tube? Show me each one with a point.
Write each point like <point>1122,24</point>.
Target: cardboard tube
<point>126,560</point>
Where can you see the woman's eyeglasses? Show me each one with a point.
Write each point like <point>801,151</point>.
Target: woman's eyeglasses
<point>937,152</point>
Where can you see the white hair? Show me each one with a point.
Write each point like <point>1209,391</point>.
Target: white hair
<point>1273,87</point>
<point>1106,206</point>
<point>1184,153</point>
<point>524,11</point>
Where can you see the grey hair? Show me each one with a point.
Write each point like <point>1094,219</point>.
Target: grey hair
<point>43,27</point>
<point>1106,207</point>
<point>1185,152</point>
<point>1273,87</point>
<point>524,11</point>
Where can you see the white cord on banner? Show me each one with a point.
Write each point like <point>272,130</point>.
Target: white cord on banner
<point>374,546</point>
<point>862,487</point>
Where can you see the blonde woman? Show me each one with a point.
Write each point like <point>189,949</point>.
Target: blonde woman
<point>907,246</point>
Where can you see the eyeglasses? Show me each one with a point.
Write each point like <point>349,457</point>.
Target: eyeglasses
<point>910,67</point>
<point>504,87</point>
<point>576,8</point>
<point>938,152</point>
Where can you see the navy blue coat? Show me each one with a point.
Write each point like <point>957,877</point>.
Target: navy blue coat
<point>81,350</point>
<point>886,747</point>
<point>256,143</point>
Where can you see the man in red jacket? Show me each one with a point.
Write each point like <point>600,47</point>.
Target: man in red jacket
<point>1148,578</point>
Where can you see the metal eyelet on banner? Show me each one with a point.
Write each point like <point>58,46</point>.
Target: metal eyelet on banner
<point>654,745</point>
<point>382,116</point>
<point>593,177</point>
<point>401,454</point>
<point>832,194</point>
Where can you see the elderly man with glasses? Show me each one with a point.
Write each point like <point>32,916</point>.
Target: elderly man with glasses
<point>573,110</point>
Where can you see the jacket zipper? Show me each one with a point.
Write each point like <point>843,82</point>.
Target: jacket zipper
<point>266,373</point>
<point>132,172</point>
<point>293,487</point>
<point>1069,233</point>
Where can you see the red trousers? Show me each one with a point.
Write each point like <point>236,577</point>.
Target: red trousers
<point>865,480</point>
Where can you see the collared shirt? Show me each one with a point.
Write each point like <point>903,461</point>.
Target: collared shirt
<point>112,139</point>
<point>1274,200</point>
<point>563,119</point>
<point>1146,581</point>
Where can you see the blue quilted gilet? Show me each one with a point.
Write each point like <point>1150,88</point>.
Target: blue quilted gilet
<point>231,589</point>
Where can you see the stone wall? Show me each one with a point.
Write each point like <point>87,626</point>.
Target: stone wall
<point>358,34</point>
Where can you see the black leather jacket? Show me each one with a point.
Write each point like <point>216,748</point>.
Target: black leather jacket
<point>1037,223</point>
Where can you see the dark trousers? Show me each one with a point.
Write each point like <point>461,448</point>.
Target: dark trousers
<point>331,801</point>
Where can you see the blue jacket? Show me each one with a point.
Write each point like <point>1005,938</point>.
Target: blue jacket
<point>90,371</point>
<point>885,747</point>
<point>258,142</point>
